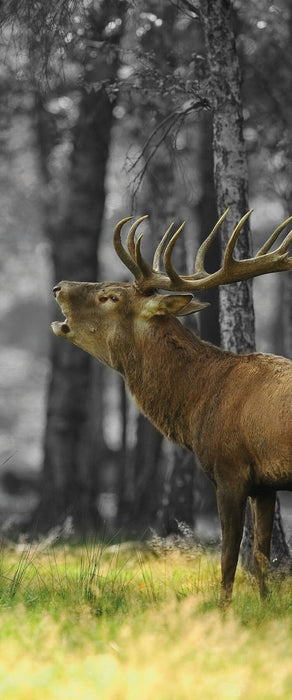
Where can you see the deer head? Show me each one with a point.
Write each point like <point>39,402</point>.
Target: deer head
<point>103,317</point>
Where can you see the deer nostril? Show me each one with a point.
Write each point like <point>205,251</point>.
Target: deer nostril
<point>56,290</point>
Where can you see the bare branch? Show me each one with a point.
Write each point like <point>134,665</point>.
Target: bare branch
<point>176,117</point>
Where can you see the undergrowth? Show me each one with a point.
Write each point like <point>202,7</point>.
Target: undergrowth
<point>98,621</point>
<point>128,578</point>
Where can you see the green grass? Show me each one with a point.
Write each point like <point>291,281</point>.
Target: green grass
<point>124,623</point>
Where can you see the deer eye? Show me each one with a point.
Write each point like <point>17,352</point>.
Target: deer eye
<point>104,299</point>
<point>150,292</point>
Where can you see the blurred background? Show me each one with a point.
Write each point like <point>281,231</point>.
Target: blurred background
<point>104,114</point>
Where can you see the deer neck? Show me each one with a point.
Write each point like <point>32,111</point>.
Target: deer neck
<point>168,373</point>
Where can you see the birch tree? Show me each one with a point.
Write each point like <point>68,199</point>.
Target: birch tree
<point>230,165</point>
<point>231,183</point>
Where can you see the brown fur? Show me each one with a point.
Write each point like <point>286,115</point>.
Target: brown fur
<point>233,411</point>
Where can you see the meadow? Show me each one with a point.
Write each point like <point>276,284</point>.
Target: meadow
<point>130,622</point>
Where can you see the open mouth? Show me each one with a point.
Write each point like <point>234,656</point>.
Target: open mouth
<point>60,327</point>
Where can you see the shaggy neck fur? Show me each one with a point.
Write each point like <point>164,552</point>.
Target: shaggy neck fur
<point>172,373</point>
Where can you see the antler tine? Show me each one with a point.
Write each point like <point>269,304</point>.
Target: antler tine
<point>127,259</point>
<point>200,257</point>
<point>232,270</point>
<point>233,238</point>
<point>144,267</point>
<point>273,237</point>
<point>283,248</point>
<point>159,249</point>
<point>172,274</point>
<point>131,236</point>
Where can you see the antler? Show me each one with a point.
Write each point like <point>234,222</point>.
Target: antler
<point>232,270</point>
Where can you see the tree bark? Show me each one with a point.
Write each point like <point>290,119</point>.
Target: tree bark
<point>146,465</point>
<point>177,504</point>
<point>280,554</point>
<point>230,167</point>
<point>231,183</point>
<point>69,484</point>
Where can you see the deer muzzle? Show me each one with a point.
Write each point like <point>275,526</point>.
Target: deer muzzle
<point>61,327</point>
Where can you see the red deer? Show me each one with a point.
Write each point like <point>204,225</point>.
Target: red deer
<point>233,411</point>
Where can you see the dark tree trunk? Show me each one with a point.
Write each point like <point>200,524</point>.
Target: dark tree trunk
<point>69,484</point>
<point>140,479</point>
<point>147,478</point>
<point>141,494</point>
<point>125,484</point>
<point>280,553</point>
<point>74,247</point>
<point>177,505</point>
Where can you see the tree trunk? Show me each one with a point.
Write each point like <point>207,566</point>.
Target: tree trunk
<point>69,480</point>
<point>230,167</point>
<point>177,503</point>
<point>280,553</point>
<point>146,466</point>
<point>231,183</point>
<point>147,478</point>
<point>74,247</point>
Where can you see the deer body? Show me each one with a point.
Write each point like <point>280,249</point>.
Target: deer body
<point>189,389</point>
<point>233,411</point>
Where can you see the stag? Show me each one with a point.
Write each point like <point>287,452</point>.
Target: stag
<point>233,411</point>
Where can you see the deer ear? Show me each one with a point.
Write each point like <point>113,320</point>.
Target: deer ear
<point>193,307</point>
<point>176,304</point>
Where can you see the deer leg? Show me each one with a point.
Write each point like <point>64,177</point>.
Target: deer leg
<point>263,508</point>
<point>231,511</point>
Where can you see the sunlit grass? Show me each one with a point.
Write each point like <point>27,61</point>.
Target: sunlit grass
<point>122,622</point>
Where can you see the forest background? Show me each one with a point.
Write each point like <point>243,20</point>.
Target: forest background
<point>105,113</point>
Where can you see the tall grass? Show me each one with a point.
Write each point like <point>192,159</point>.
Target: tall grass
<point>126,578</point>
<point>99,621</point>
